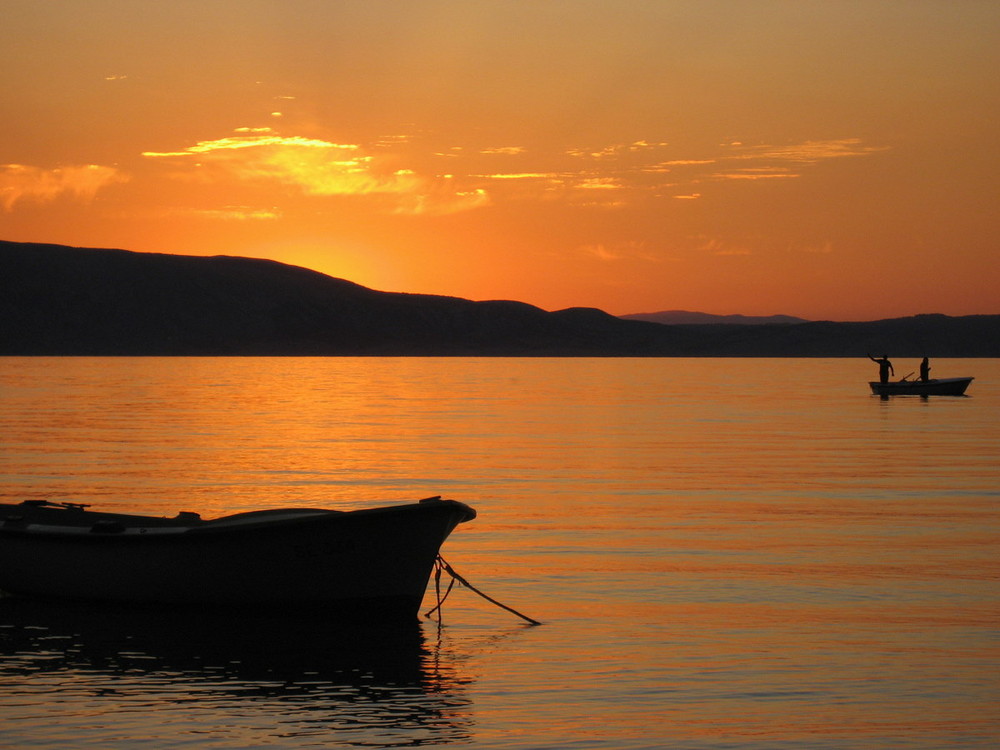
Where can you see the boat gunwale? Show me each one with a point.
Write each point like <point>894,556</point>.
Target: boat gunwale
<point>102,527</point>
<point>932,387</point>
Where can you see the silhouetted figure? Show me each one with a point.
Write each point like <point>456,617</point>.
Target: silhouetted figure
<point>925,369</point>
<point>884,367</point>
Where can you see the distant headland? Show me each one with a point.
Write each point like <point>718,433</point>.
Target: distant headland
<point>59,300</point>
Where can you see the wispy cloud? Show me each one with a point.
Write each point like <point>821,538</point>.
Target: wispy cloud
<point>601,252</point>
<point>718,246</point>
<point>617,150</point>
<point>627,250</point>
<point>623,172</point>
<point>406,174</point>
<point>525,176</point>
<point>823,248</point>
<point>505,150</point>
<point>252,138</point>
<point>19,182</point>
<point>756,173</point>
<point>768,162</point>
<point>809,152</point>
<point>599,183</point>
<point>234,213</point>
<point>321,168</point>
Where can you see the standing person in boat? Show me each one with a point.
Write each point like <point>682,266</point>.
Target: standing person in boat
<point>925,369</point>
<point>884,367</point>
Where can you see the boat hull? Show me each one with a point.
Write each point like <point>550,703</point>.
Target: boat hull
<point>366,560</point>
<point>939,387</point>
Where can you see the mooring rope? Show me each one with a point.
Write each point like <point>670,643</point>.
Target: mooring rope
<point>438,567</point>
<point>440,564</point>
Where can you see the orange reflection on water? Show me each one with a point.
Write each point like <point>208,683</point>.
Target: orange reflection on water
<point>714,560</point>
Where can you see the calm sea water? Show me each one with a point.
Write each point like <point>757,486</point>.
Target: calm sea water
<point>724,553</point>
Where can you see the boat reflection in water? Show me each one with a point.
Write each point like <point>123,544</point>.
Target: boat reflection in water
<point>246,677</point>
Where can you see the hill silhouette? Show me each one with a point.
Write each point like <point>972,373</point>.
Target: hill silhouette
<point>59,300</point>
<point>685,317</point>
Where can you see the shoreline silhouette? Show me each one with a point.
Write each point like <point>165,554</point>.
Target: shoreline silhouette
<point>63,301</point>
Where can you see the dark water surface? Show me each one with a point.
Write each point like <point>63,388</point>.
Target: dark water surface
<point>725,553</point>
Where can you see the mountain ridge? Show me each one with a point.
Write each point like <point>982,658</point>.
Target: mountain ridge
<point>62,300</point>
<point>686,317</point>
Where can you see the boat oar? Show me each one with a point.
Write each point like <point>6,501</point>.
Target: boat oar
<point>456,577</point>
<point>903,379</point>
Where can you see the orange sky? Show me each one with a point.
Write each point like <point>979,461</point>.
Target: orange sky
<point>823,158</point>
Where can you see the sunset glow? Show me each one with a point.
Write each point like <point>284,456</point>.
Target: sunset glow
<point>825,160</point>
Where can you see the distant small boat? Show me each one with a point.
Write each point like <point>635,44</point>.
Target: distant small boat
<point>938,387</point>
<point>373,560</point>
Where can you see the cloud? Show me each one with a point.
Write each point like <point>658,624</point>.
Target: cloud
<point>259,138</point>
<point>410,174</point>
<point>823,248</point>
<point>322,168</point>
<point>718,247</point>
<point>21,182</point>
<point>627,250</point>
<point>599,183</point>
<point>440,203</point>
<point>504,150</point>
<point>760,173</point>
<point>525,176</point>
<point>635,165</point>
<point>234,213</point>
<point>767,162</point>
<point>601,252</point>
<point>580,188</point>
<point>618,150</point>
<point>809,152</point>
